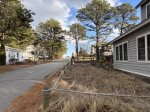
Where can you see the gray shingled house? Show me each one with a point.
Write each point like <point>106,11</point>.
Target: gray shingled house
<point>132,49</point>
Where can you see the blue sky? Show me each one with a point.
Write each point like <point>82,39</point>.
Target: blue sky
<point>65,12</point>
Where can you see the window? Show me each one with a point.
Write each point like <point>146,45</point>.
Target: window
<point>120,52</point>
<point>148,47</point>
<point>125,49</point>
<point>141,49</point>
<point>17,55</point>
<point>9,55</point>
<point>148,11</point>
<point>117,53</point>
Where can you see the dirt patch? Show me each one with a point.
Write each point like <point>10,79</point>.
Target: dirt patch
<point>87,78</point>
<point>8,68</point>
<point>29,102</point>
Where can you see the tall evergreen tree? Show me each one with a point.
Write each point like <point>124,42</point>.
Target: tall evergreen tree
<point>125,17</point>
<point>97,17</point>
<point>13,16</point>
<point>21,38</point>
<point>78,32</point>
<point>50,35</point>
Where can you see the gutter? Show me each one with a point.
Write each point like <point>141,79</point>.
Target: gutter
<point>141,3</point>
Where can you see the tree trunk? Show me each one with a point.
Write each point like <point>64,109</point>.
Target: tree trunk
<point>121,32</point>
<point>2,51</point>
<point>77,51</point>
<point>97,45</point>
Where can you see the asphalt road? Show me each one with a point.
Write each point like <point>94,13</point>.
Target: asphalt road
<point>15,83</point>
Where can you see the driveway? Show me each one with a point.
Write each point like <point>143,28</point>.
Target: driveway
<point>15,83</point>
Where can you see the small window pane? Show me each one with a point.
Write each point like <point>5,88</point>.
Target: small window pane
<point>141,49</point>
<point>117,53</point>
<point>148,47</point>
<point>121,55</point>
<point>148,11</point>
<point>125,48</point>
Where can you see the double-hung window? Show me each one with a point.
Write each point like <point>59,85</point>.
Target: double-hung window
<point>122,52</point>
<point>143,48</point>
<point>148,47</point>
<point>148,11</point>
<point>117,53</point>
<point>125,49</point>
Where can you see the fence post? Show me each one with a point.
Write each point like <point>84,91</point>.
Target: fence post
<point>72,61</point>
<point>46,96</point>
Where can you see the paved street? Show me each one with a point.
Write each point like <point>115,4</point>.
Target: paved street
<point>11,86</point>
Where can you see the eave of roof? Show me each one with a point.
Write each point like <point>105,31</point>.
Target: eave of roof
<point>147,21</point>
<point>141,3</point>
<point>11,48</point>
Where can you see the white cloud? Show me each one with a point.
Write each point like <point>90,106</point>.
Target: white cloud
<point>45,9</point>
<point>82,3</point>
<point>113,35</point>
<point>77,4</point>
<point>113,2</point>
<point>57,9</point>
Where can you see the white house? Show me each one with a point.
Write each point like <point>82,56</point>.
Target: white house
<point>132,49</point>
<point>108,50</point>
<point>29,53</point>
<point>13,53</point>
<point>20,55</point>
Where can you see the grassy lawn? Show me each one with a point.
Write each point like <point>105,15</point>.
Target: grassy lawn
<point>87,78</point>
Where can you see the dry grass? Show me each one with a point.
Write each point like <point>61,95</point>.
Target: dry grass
<point>100,80</point>
<point>85,77</point>
<point>29,102</point>
<point>8,68</point>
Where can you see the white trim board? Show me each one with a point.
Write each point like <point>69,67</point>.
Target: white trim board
<point>142,74</point>
<point>141,3</point>
<point>146,11</point>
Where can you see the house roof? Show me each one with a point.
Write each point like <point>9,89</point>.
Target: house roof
<point>141,3</point>
<point>12,49</point>
<point>140,25</point>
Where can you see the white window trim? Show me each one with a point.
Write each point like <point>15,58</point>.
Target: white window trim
<point>137,47</point>
<point>122,52</point>
<point>146,48</point>
<point>146,10</point>
<point>127,52</point>
<point>116,53</point>
<point>146,52</point>
<point>119,53</point>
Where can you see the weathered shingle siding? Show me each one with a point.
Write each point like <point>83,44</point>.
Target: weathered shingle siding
<point>132,65</point>
<point>143,11</point>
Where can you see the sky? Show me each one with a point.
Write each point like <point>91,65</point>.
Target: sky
<point>65,12</point>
